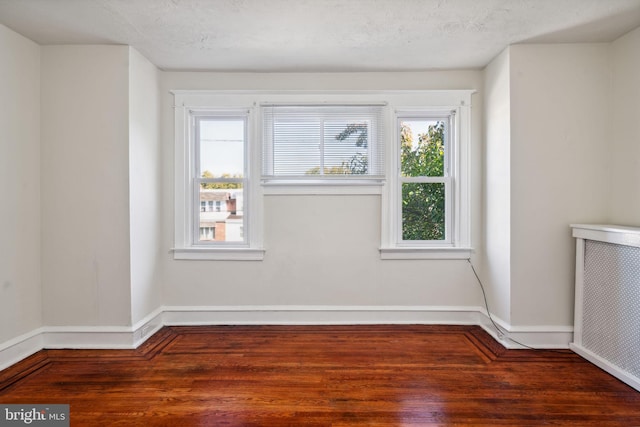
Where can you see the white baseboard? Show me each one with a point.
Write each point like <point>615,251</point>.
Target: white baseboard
<point>103,337</point>
<point>556,337</point>
<point>21,347</point>
<point>124,337</point>
<point>147,326</point>
<point>537,337</point>
<point>607,366</point>
<point>83,337</point>
<point>320,315</point>
<point>70,337</point>
<point>100,337</point>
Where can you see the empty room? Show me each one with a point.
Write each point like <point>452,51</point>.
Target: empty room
<point>320,212</point>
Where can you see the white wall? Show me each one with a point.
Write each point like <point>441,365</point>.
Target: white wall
<point>625,135</point>
<point>495,264</point>
<point>321,250</point>
<point>20,290</point>
<point>85,187</point>
<point>145,188</point>
<point>560,144</point>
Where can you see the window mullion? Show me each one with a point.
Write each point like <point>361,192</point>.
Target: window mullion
<point>196,147</point>
<point>399,211</point>
<point>448,207</point>
<point>321,146</point>
<point>220,180</point>
<point>424,179</point>
<point>195,214</point>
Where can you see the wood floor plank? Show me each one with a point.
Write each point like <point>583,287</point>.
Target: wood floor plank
<point>405,375</point>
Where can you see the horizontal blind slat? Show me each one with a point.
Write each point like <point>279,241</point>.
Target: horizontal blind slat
<point>317,140</point>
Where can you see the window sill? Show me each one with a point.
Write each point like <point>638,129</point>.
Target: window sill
<point>425,253</point>
<point>218,254</point>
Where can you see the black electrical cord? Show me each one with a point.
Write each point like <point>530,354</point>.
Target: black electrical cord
<point>502,334</point>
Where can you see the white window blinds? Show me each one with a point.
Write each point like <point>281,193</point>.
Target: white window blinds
<point>323,141</point>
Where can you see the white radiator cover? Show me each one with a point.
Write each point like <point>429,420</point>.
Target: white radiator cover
<point>607,301</point>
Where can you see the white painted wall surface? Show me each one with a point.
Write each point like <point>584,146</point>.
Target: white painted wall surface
<point>625,135</point>
<point>145,187</point>
<point>77,152</point>
<point>495,263</point>
<point>85,188</point>
<point>20,290</point>
<point>560,168</point>
<point>320,250</point>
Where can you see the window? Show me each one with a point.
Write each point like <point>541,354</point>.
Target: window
<point>233,148</point>
<point>428,181</point>
<point>207,233</point>
<point>424,178</point>
<point>216,202</point>
<point>326,143</point>
<point>219,174</point>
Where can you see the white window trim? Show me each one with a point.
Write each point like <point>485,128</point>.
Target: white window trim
<point>185,248</point>
<point>404,101</point>
<point>458,244</point>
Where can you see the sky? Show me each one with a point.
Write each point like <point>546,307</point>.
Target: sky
<point>418,127</point>
<point>222,146</point>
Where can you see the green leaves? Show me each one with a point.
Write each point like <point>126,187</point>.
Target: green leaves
<point>423,204</point>
<point>423,213</point>
<point>426,157</point>
<point>357,164</point>
<point>360,128</point>
<point>220,185</point>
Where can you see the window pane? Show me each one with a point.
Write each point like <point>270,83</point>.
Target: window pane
<point>221,216</point>
<point>323,140</point>
<point>346,147</point>
<point>221,147</point>
<point>422,147</point>
<point>423,211</point>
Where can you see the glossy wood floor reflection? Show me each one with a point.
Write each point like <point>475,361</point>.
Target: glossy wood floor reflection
<point>324,376</point>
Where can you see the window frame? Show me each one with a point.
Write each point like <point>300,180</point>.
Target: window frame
<point>198,116</point>
<point>447,177</point>
<point>188,106</point>
<point>457,242</point>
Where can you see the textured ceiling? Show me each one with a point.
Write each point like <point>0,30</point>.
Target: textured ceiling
<point>319,35</point>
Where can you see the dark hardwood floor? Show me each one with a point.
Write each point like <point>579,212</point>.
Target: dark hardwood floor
<point>324,376</point>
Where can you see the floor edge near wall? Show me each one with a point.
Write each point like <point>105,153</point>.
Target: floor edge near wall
<point>20,348</point>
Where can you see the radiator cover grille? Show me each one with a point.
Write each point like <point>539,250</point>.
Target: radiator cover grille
<point>611,304</point>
